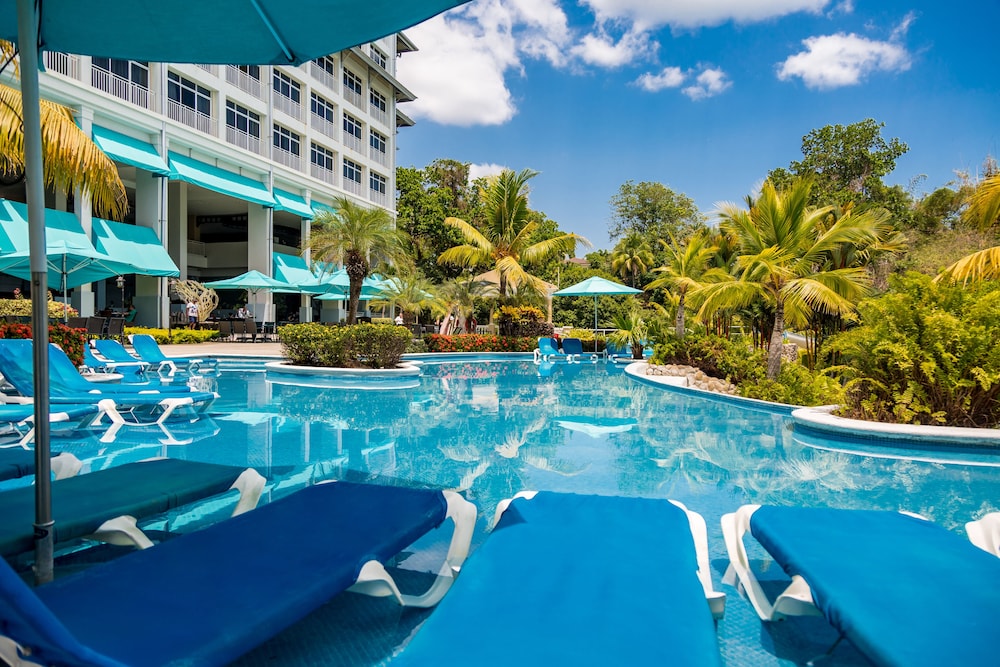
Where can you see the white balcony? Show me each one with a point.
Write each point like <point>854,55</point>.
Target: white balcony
<point>243,81</point>
<point>380,198</point>
<point>324,77</point>
<point>288,106</point>
<point>354,98</point>
<point>121,88</point>
<point>378,156</point>
<point>354,143</point>
<point>325,175</point>
<point>354,187</point>
<point>63,63</point>
<point>243,140</point>
<point>382,117</point>
<point>211,69</point>
<point>323,126</point>
<point>190,117</point>
<point>287,158</point>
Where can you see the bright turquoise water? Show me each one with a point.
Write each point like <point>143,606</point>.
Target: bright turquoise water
<point>491,429</point>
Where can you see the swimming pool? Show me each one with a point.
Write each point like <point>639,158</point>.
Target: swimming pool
<point>493,428</point>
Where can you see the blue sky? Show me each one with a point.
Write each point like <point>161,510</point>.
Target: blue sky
<point>704,96</point>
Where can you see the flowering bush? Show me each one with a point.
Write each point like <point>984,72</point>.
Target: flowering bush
<point>70,340</point>
<point>479,343</point>
<point>21,307</point>
<point>174,336</point>
<point>523,321</point>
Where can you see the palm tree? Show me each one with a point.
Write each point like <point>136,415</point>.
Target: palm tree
<point>631,257</point>
<point>504,240</point>
<point>685,270</point>
<point>461,294</point>
<point>70,159</point>
<point>409,291</point>
<point>358,238</point>
<point>630,329</point>
<point>782,250</point>
<point>984,210</point>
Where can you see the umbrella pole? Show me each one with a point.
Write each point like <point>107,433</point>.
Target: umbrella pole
<point>595,319</point>
<point>27,31</point>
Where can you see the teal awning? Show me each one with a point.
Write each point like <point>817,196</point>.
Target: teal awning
<point>294,271</point>
<point>219,180</point>
<point>319,207</point>
<point>130,151</point>
<point>135,244</point>
<point>286,201</point>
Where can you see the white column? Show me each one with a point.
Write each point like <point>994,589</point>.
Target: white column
<point>259,242</point>
<point>150,291</point>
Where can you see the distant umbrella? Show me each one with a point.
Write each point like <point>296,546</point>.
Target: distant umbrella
<point>596,286</point>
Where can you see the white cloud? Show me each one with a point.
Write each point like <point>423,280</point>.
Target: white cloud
<point>601,50</point>
<point>648,14</point>
<point>833,61</point>
<point>709,83</point>
<point>669,77</point>
<point>483,170</point>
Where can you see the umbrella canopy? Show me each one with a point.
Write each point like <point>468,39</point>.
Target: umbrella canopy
<point>596,286</point>
<point>294,270</point>
<point>339,281</point>
<point>264,32</point>
<point>252,281</point>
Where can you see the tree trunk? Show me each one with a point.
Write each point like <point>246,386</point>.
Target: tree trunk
<point>679,322</point>
<point>777,337</point>
<point>354,295</point>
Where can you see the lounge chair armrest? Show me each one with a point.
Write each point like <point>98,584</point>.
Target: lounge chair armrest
<point>985,533</point>
<point>250,484</point>
<point>699,533</point>
<point>65,465</point>
<point>122,531</point>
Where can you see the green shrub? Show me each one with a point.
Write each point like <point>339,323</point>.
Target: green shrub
<point>719,357</point>
<point>366,345</point>
<point>924,353</point>
<point>796,385</point>
<point>21,307</point>
<point>479,343</point>
<point>588,339</point>
<point>174,336</point>
<point>70,340</point>
<point>416,346</point>
<point>523,322</point>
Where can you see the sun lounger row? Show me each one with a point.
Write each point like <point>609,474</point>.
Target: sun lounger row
<point>548,350</point>
<point>562,579</point>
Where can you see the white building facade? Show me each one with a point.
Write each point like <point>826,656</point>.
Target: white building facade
<point>226,163</point>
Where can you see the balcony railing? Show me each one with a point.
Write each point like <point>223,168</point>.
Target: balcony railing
<point>378,156</point>
<point>324,77</point>
<point>211,69</point>
<point>354,143</point>
<point>243,81</point>
<point>243,140</point>
<point>120,87</point>
<point>380,198</point>
<point>190,117</point>
<point>354,98</point>
<point>323,174</point>
<point>287,158</point>
<point>63,63</point>
<point>354,187</point>
<point>288,105</point>
<point>323,126</point>
<point>379,115</point>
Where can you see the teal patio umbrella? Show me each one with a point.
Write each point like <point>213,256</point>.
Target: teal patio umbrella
<point>262,32</point>
<point>252,281</point>
<point>596,286</point>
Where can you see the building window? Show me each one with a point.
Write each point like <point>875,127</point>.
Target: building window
<point>323,108</point>
<point>377,183</point>
<point>378,141</point>
<point>189,94</point>
<point>285,87</point>
<point>352,171</point>
<point>353,83</point>
<point>352,127</point>
<point>242,119</point>
<point>286,140</point>
<point>132,71</point>
<point>252,71</point>
<point>327,64</point>
<point>379,56</point>
<point>321,157</point>
<point>377,100</point>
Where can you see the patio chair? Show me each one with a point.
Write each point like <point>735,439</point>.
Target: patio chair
<point>229,587</point>
<point>114,351</point>
<point>573,347</point>
<point>148,350</point>
<point>116,329</point>
<point>15,463</point>
<point>77,323</point>
<point>985,533</point>
<point>225,330</point>
<point>20,417</point>
<point>92,364</point>
<point>239,330</point>
<point>95,327</point>
<point>567,579</point>
<point>548,350</point>
<point>105,504</point>
<point>902,590</point>
<point>250,330</point>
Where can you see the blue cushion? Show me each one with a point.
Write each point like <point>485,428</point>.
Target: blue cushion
<point>207,597</point>
<point>903,590</point>
<point>575,580</point>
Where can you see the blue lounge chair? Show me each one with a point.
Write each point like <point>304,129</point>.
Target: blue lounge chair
<point>92,364</point>
<point>902,590</point>
<point>21,417</point>
<point>116,353</point>
<point>61,367</point>
<point>145,346</point>
<point>548,350</point>
<point>105,504</point>
<point>569,579</point>
<point>573,347</point>
<point>17,462</point>
<point>229,587</point>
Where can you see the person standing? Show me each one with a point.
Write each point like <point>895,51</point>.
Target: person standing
<point>192,313</point>
<point>399,319</point>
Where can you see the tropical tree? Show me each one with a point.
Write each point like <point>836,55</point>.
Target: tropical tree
<point>631,257</point>
<point>630,329</point>
<point>984,210</point>
<point>358,238</point>
<point>782,249</point>
<point>409,291</point>
<point>686,269</point>
<point>504,241</point>
<point>70,159</point>
<point>652,210</point>
<point>460,296</point>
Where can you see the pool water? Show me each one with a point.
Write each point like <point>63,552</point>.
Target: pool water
<point>492,428</point>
